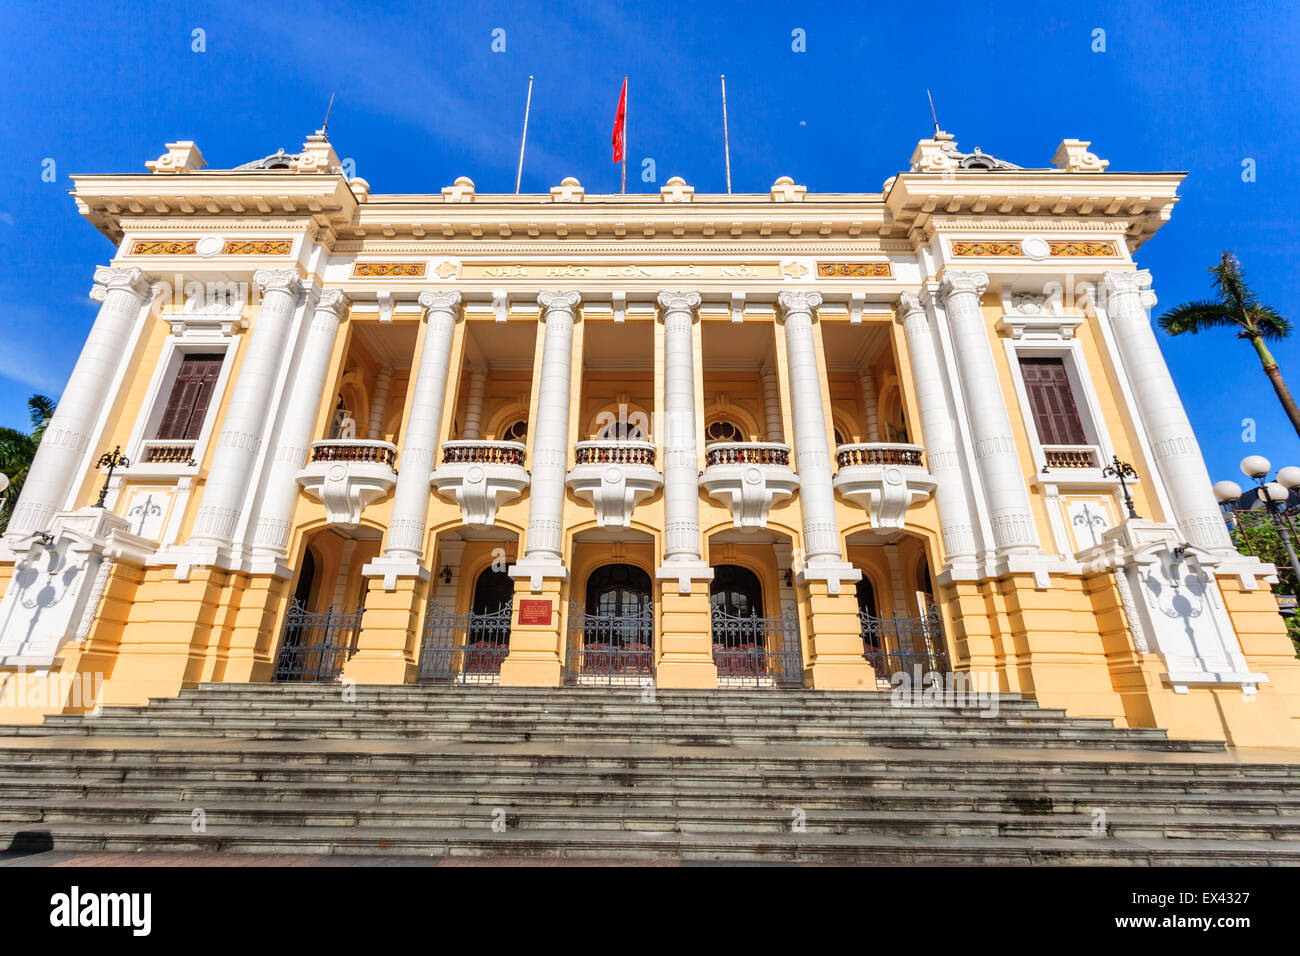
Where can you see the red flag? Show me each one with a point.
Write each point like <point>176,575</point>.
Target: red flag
<point>618,124</point>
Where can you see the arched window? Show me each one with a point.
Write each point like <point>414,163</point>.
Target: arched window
<point>736,591</point>
<point>516,432</point>
<point>617,590</point>
<point>866,597</point>
<point>621,431</point>
<point>494,593</point>
<point>493,590</point>
<point>722,430</point>
<point>839,437</point>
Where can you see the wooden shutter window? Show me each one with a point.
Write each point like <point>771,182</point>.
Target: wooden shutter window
<point>1050,398</point>
<point>196,379</point>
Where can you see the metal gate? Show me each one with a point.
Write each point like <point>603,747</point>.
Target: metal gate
<point>610,649</point>
<point>464,648</point>
<point>757,651</point>
<point>898,644</point>
<point>316,644</point>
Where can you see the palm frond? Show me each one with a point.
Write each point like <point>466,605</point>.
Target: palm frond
<point>41,409</point>
<point>1195,317</point>
<point>1230,283</point>
<point>1270,323</point>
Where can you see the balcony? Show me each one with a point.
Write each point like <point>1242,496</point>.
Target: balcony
<point>158,451</point>
<point>345,475</point>
<point>885,479</point>
<point>614,477</point>
<point>748,477</point>
<point>1069,457</point>
<point>480,476</point>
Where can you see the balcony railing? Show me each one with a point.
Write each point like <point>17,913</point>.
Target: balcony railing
<point>601,452</point>
<point>1069,456</point>
<point>160,451</point>
<point>879,453</point>
<point>747,453</point>
<point>468,452</point>
<point>380,452</point>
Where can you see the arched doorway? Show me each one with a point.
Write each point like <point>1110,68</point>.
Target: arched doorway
<point>873,638</point>
<point>748,648</point>
<point>611,637</point>
<point>469,648</point>
<point>314,645</point>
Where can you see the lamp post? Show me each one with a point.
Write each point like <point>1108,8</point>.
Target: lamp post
<point>1272,494</point>
<point>110,460</point>
<point>1121,470</point>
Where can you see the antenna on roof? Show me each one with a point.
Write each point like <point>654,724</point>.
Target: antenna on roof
<point>932,113</point>
<point>326,124</point>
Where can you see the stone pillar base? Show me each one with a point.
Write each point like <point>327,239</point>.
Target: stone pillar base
<point>388,645</point>
<point>536,650</point>
<point>834,639</point>
<point>686,641</point>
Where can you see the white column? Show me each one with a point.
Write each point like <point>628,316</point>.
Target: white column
<point>812,454</point>
<point>244,427</point>
<point>404,550</point>
<point>941,447</point>
<point>1173,444</point>
<point>867,379</point>
<point>544,557</point>
<point>474,404</point>
<point>996,457</point>
<point>54,472</point>
<point>772,405</point>
<point>379,404</point>
<point>306,384</point>
<point>681,451</point>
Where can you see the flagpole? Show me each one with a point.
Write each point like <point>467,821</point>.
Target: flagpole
<point>623,189</point>
<point>527,104</point>
<point>726,142</point>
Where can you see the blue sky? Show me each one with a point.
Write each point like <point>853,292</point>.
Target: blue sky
<point>422,99</point>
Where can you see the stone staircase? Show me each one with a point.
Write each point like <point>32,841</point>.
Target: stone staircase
<point>602,773</point>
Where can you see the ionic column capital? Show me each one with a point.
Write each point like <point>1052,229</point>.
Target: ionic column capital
<point>908,304</point>
<point>797,302</point>
<point>954,282</point>
<point>679,302</point>
<point>559,302</point>
<point>442,300</point>
<point>112,279</point>
<point>1119,284</point>
<point>277,280</point>
<point>333,301</point>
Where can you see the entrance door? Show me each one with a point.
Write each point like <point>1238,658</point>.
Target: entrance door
<point>612,639</point>
<point>749,649</point>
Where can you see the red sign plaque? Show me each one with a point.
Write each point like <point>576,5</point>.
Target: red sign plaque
<point>534,612</point>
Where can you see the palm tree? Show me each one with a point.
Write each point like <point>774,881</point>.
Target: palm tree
<point>1235,305</point>
<point>17,450</point>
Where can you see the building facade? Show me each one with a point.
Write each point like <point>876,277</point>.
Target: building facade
<point>775,440</point>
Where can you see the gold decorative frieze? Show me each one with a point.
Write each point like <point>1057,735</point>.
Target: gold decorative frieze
<point>258,247</point>
<point>623,271</point>
<point>986,249</point>
<point>232,247</point>
<point>1072,248</point>
<point>388,270</point>
<point>854,270</point>
<point>163,247</point>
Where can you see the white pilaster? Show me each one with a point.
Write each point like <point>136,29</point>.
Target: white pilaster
<point>403,551</point>
<point>941,444</point>
<point>305,388</point>
<point>54,472</point>
<point>379,403</point>
<point>544,557</point>
<point>867,380</point>
<point>474,404</point>
<point>1177,454</point>
<point>681,452</point>
<point>994,443</point>
<point>775,432</point>
<point>244,427</point>
<point>821,535</point>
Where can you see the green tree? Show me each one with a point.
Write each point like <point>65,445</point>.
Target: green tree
<point>18,449</point>
<point>1235,305</point>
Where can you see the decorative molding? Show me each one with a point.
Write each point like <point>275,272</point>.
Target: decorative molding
<point>393,270</point>
<point>258,247</point>
<point>986,248</point>
<point>164,247</point>
<point>233,247</point>
<point>1082,248</point>
<point>855,270</point>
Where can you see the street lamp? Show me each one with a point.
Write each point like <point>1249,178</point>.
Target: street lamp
<point>1273,495</point>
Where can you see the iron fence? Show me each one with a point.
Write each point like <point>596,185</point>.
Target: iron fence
<point>898,644</point>
<point>464,648</point>
<point>757,651</point>
<point>315,645</point>
<point>610,648</point>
